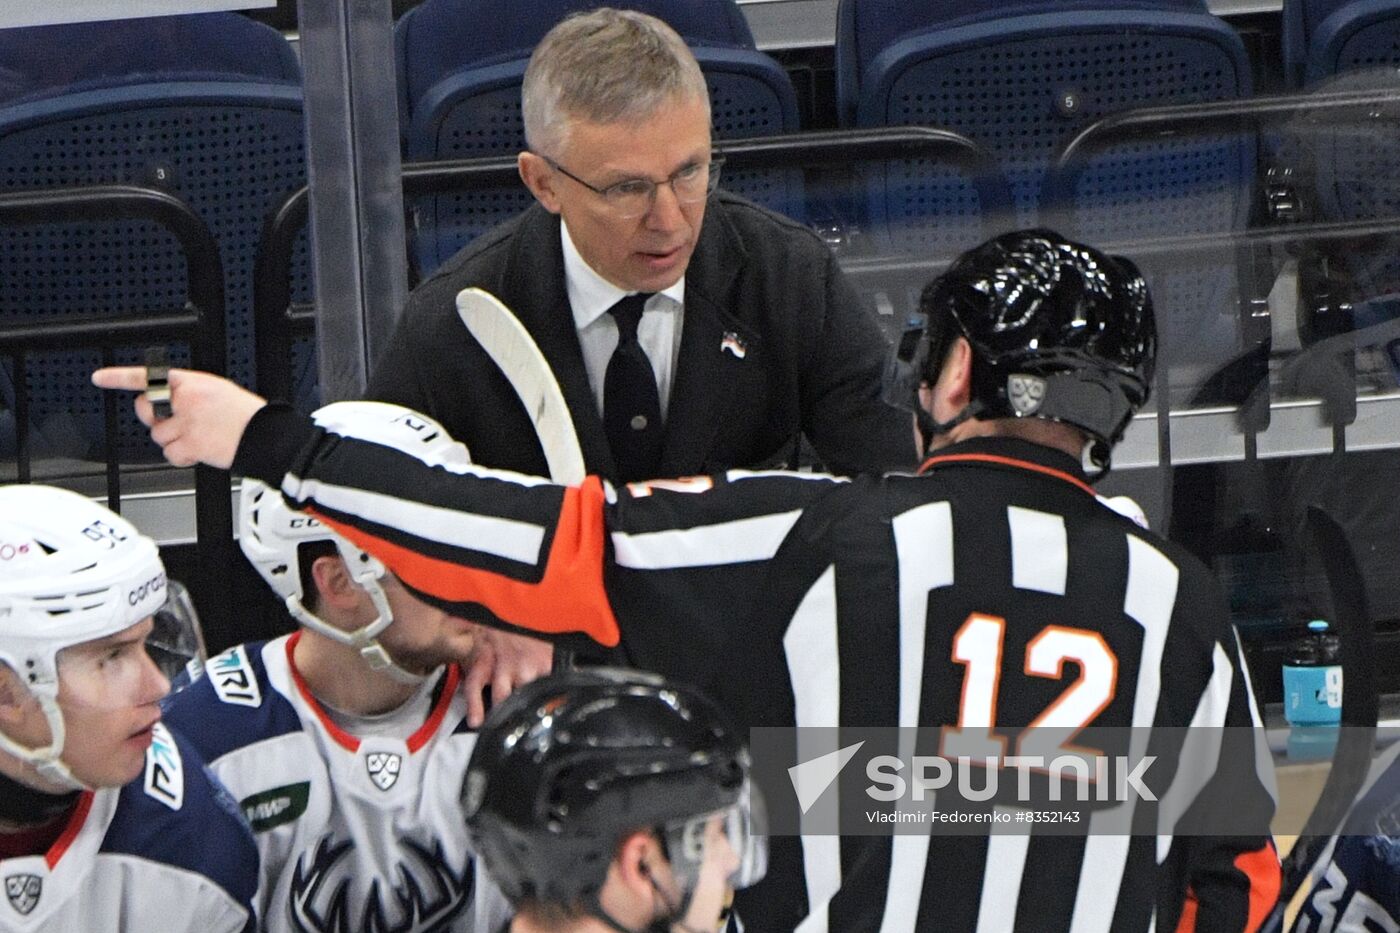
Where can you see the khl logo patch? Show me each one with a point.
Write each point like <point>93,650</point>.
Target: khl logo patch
<point>23,891</point>
<point>1026,392</point>
<point>383,768</point>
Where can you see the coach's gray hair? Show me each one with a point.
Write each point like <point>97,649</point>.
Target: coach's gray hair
<point>604,66</point>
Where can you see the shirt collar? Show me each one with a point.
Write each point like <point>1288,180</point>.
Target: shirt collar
<point>1012,452</point>
<point>591,295</point>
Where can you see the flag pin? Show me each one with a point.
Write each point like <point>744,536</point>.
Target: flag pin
<point>734,344</point>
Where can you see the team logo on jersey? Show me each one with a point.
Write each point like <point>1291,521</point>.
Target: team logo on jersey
<point>1025,392</point>
<point>233,678</point>
<point>418,895</point>
<point>383,768</point>
<point>165,774</point>
<point>23,891</point>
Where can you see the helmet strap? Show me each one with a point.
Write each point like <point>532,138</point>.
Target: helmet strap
<point>672,917</point>
<point>664,922</point>
<point>930,429</point>
<point>46,760</point>
<point>595,909</point>
<point>365,639</point>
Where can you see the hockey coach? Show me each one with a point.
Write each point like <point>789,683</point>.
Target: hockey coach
<point>991,588</point>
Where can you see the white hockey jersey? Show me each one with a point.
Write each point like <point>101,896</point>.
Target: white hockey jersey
<point>166,852</point>
<point>355,834</point>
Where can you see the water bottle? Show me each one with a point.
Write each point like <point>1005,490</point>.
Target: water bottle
<point>1312,679</point>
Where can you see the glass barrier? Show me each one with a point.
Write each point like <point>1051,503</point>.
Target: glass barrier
<point>153,191</point>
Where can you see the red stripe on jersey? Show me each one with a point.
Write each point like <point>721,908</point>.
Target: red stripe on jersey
<point>1007,461</point>
<point>1187,924</point>
<point>569,597</point>
<point>1265,876</point>
<point>425,732</point>
<point>342,738</point>
<point>1261,869</point>
<point>75,823</point>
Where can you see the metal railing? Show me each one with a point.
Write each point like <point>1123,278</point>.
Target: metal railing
<point>278,320</point>
<point>200,323</point>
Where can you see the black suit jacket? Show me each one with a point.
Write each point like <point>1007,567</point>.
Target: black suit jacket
<point>812,356</point>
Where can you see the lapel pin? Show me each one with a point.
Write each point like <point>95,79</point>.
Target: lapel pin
<point>733,344</point>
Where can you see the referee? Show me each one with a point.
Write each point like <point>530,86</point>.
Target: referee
<point>991,590</point>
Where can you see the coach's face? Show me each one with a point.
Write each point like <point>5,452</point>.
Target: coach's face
<point>644,252</point>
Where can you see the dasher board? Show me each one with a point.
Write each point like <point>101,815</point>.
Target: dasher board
<point>47,13</point>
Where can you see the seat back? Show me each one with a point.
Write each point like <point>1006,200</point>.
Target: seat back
<point>207,107</point>
<point>1022,80</point>
<point>1353,160</point>
<point>461,63</point>
<point>1301,22</point>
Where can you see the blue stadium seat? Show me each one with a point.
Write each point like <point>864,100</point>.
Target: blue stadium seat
<point>1348,45</point>
<point>460,65</point>
<point>1022,79</point>
<point>1325,37</point>
<point>208,107</point>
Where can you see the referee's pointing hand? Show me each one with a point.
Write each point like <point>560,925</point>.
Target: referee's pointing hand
<point>208,413</point>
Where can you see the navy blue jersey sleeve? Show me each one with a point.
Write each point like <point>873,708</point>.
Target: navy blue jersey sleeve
<point>231,706</point>
<point>178,813</point>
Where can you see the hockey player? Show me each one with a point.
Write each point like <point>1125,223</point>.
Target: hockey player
<point>612,800</point>
<point>344,742</point>
<point>1356,885</point>
<point>992,590</point>
<point>108,820</point>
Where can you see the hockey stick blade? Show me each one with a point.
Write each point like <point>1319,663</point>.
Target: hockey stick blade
<point>518,357</point>
<point>1355,745</point>
<point>514,352</point>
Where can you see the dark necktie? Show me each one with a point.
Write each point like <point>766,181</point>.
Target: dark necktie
<point>631,404</point>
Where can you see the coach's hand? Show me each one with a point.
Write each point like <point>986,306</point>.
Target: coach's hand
<point>207,413</point>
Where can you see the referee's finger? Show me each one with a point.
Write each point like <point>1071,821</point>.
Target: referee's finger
<point>131,378</point>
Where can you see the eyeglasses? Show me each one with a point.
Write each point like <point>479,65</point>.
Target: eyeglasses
<point>633,197</point>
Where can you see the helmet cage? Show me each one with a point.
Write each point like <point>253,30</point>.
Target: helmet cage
<point>745,826</point>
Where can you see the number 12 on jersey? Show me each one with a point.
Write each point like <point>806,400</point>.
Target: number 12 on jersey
<point>977,646</point>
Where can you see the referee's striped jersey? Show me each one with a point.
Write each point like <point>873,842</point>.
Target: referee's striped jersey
<point>954,597</point>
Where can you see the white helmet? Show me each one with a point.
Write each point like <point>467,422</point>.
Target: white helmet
<point>71,571</point>
<point>270,532</point>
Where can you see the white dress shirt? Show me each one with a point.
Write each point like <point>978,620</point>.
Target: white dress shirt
<point>659,333</point>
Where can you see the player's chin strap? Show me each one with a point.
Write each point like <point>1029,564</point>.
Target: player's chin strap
<point>929,429</point>
<point>365,638</point>
<point>46,760</point>
<point>667,921</point>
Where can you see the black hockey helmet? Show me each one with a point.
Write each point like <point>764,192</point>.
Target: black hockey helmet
<point>1058,330</point>
<point>572,763</point>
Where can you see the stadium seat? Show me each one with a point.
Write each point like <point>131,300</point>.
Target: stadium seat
<point>207,107</point>
<point>1350,158</point>
<point>1325,37</point>
<point>1022,79</point>
<point>460,65</point>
